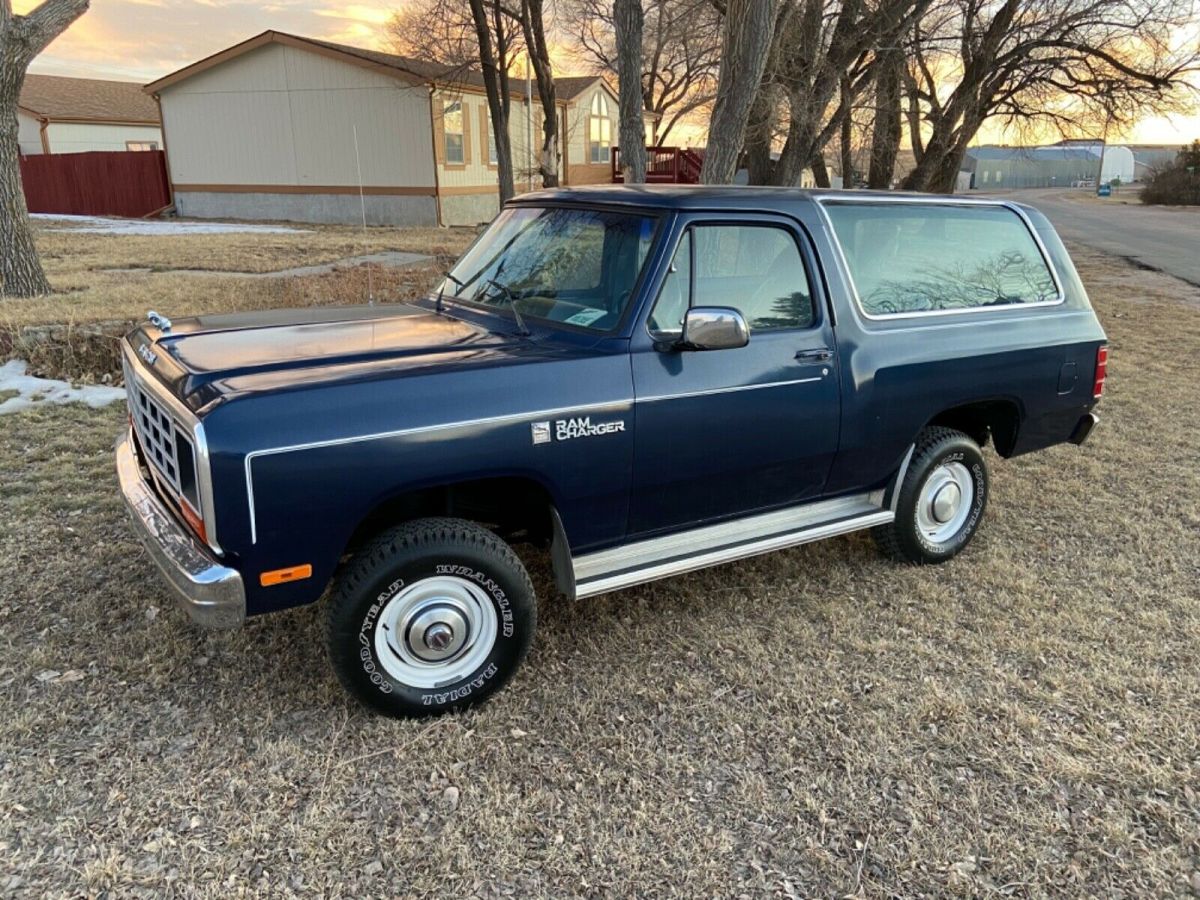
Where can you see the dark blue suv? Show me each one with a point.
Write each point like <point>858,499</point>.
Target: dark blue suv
<point>645,381</point>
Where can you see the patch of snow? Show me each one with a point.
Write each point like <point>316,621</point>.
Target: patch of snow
<point>33,391</point>
<point>102,225</point>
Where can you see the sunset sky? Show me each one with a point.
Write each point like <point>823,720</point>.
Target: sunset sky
<point>141,40</point>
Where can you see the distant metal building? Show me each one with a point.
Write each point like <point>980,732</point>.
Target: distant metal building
<point>1061,165</point>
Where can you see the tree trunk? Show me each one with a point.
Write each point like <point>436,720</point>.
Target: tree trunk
<point>820,173</point>
<point>628,20</point>
<point>885,133</point>
<point>760,130</point>
<point>749,26</point>
<point>539,56</point>
<point>937,172</point>
<point>21,39</point>
<point>495,82</point>
<point>21,273</point>
<point>847,148</point>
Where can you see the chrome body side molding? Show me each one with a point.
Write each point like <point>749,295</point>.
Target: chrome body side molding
<point>711,545</point>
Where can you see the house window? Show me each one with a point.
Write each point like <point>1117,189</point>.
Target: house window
<point>491,138</point>
<point>599,130</point>
<point>452,128</point>
<point>141,145</point>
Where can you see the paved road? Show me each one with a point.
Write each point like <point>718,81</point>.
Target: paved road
<point>1159,237</point>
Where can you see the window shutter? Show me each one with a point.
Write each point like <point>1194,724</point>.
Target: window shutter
<point>439,134</point>
<point>466,120</point>
<point>483,135</point>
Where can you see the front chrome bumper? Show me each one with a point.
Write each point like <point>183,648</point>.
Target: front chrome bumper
<point>213,595</point>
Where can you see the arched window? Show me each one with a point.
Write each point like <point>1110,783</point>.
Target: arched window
<point>599,130</point>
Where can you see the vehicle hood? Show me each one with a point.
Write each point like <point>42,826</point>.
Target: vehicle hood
<point>207,357</point>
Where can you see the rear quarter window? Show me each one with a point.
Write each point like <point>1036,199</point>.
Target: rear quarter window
<point>909,258</point>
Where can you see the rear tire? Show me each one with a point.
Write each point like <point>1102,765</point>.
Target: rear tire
<point>430,616</point>
<point>941,501</point>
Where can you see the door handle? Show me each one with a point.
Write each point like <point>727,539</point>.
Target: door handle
<point>821,354</point>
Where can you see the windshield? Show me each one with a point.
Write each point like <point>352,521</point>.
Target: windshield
<point>570,265</point>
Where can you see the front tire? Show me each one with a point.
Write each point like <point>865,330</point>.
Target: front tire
<point>430,616</point>
<point>941,501</point>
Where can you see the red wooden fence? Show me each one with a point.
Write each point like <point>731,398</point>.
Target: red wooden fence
<point>101,183</point>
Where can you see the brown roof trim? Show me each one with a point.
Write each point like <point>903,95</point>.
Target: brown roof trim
<point>273,37</point>
<point>88,120</point>
<point>312,46</point>
<point>380,190</point>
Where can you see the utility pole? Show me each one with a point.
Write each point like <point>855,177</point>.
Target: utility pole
<point>1104,133</point>
<point>528,124</point>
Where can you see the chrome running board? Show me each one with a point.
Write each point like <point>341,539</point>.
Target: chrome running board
<point>648,560</point>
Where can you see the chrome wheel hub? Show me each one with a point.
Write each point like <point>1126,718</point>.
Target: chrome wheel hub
<point>945,501</point>
<point>435,631</point>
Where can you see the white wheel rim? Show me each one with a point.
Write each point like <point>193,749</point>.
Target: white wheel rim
<point>436,631</point>
<point>945,502</point>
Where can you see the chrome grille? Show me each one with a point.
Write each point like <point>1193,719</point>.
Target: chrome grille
<point>166,445</point>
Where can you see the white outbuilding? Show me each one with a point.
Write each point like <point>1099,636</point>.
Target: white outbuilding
<point>288,127</point>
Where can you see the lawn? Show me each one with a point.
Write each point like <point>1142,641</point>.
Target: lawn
<point>104,283</point>
<point>817,722</point>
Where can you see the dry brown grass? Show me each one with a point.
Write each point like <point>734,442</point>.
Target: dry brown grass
<point>96,302</point>
<point>84,270</point>
<point>818,722</point>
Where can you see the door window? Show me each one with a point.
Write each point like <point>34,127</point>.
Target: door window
<point>756,269</point>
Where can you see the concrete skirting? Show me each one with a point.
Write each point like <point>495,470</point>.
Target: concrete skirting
<point>470,209</point>
<point>324,209</point>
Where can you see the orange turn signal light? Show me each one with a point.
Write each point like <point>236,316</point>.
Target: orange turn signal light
<point>194,521</point>
<point>283,576</point>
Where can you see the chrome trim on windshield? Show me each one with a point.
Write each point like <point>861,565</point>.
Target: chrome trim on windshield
<point>821,203</point>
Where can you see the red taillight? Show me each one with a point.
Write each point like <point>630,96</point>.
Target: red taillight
<point>1101,370</point>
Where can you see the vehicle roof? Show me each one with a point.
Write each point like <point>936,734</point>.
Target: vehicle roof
<point>694,196</point>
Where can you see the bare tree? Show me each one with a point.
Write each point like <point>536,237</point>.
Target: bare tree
<point>534,28</point>
<point>1060,63</point>
<point>627,14</point>
<point>21,39</point>
<point>826,55</point>
<point>491,23</point>
<point>885,127</point>
<point>441,31</point>
<point>681,52</point>
<point>446,31</point>
<point>745,45</point>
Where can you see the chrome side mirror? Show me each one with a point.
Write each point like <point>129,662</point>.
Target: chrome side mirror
<point>714,328</point>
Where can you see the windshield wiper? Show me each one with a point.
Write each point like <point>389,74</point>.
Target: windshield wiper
<point>507,293</point>
<point>442,289</point>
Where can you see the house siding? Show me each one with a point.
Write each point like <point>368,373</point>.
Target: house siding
<point>29,136</point>
<point>580,169</point>
<point>82,137</point>
<point>470,191</point>
<point>283,117</point>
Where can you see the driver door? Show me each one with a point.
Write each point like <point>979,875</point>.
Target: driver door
<point>726,433</point>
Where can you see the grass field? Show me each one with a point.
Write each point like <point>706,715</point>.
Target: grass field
<point>104,283</point>
<point>818,722</point>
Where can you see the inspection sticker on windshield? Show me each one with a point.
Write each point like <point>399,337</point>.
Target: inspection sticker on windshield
<point>578,427</point>
<point>586,317</point>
